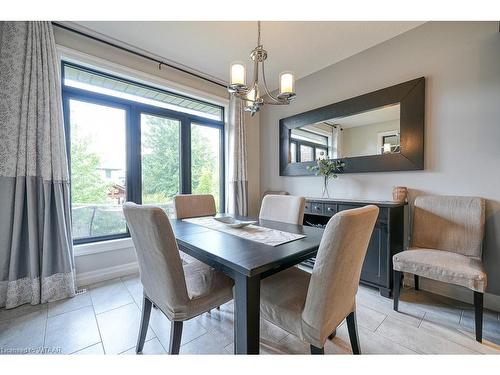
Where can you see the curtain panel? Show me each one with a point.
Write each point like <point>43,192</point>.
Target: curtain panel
<point>237,196</point>
<point>36,255</point>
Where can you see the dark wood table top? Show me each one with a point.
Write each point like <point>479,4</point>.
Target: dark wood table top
<point>236,254</point>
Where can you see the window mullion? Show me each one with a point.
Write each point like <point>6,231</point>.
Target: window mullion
<point>134,177</point>
<point>185,147</point>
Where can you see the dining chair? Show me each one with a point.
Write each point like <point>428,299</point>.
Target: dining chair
<point>311,306</point>
<point>180,292</point>
<point>274,192</point>
<point>446,245</point>
<point>284,208</point>
<point>194,205</point>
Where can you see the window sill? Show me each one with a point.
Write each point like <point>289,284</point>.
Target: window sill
<point>102,246</point>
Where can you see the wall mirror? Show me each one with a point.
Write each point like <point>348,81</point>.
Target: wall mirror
<point>375,132</point>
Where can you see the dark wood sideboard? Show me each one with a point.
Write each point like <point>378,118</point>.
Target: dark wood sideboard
<point>387,238</point>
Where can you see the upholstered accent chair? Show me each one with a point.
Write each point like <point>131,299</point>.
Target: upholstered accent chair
<point>193,205</point>
<point>311,306</point>
<point>446,245</point>
<point>284,208</point>
<point>180,292</point>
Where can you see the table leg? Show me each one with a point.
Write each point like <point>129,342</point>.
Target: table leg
<point>247,315</point>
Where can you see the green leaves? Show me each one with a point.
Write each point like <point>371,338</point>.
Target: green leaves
<point>327,168</point>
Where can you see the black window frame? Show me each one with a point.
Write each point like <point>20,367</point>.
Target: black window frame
<point>133,139</point>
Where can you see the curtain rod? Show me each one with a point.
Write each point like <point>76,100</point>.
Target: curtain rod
<point>159,62</point>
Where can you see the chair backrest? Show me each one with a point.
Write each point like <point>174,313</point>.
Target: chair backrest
<point>274,192</point>
<point>192,205</point>
<point>162,274</point>
<point>283,208</point>
<point>331,295</point>
<point>454,224</point>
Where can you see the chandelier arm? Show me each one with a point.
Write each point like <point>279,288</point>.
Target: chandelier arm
<point>265,86</point>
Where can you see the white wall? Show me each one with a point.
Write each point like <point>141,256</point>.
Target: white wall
<point>117,260</point>
<point>461,63</point>
<point>363,140</point>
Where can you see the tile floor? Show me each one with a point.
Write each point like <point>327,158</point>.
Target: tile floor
<point>106,319</point>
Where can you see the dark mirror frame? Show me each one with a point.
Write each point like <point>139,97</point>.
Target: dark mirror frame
<point>411,97</point>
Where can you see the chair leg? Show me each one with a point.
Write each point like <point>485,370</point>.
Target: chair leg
<point>146,313</point>
<point>478,314</point>
<point>415,279</point>
<point>332,335</point>
<point>175,337</point>
<point>353,333</point>
<point>397,288</point>
<point>316,350</point>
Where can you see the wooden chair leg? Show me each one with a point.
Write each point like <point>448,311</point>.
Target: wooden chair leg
<point>332,335</point>
<point>397,288</point>
<point>353,333</point>
<point>175,337</point>
<point>415,279</point>
<point>146,313</point>
<point>316,350</point>
<point>478,315</point>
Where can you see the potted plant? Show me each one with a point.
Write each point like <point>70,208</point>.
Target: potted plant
<point>328,169</point>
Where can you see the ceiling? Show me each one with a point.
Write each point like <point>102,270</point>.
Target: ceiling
<point>210,47</point>
<point>383,114</point>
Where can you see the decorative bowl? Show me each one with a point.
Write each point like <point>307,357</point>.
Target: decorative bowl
<point>234,223</point>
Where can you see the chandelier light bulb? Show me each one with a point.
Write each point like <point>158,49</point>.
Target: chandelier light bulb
<point>287,84</point>
<point>238,74</point>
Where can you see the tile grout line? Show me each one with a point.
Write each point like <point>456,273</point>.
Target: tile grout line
<point>383,320</point>
<point>421,320</point>
<point>46,323</point>
<point>96,321</point>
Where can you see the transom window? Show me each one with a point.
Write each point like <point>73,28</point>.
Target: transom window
<point>131,142</point>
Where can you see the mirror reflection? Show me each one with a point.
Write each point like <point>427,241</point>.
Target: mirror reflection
<point>373,132</point>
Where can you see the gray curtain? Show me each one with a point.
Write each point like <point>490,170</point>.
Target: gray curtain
<point>36,256</point>
<point>237,197</point>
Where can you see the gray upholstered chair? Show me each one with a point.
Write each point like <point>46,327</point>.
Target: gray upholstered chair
<point>311,306</point>
<point>446,246</point>
<point>193,205</point>
<point>283,208</point>
<point>180,292</point>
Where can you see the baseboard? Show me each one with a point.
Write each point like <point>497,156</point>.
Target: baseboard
<point>103,274</point>
<point>491,301</point>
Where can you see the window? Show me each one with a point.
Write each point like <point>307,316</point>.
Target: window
<point>161,159</point>
<point>98,185</point>
<point>206,159</point>
<point>307,146</point>
<point>129,141</point>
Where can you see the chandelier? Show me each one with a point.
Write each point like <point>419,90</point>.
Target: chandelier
<point>255,96</point>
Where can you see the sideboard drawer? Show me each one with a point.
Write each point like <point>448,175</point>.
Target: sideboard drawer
<point>307,207</point>
<point>317,208</point>
<point>330,209</point>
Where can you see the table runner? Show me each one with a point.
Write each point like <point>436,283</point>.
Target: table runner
<point>267,236</point>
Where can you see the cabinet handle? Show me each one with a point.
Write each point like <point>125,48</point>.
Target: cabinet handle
<point>329,209</point>
<point>316,207</point>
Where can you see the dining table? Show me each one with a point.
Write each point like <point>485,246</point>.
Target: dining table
<point>247,262</point>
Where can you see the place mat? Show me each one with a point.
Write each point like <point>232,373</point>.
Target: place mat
<point>267,236</point>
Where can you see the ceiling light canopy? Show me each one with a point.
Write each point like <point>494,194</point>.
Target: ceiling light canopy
<point>256,95</point>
